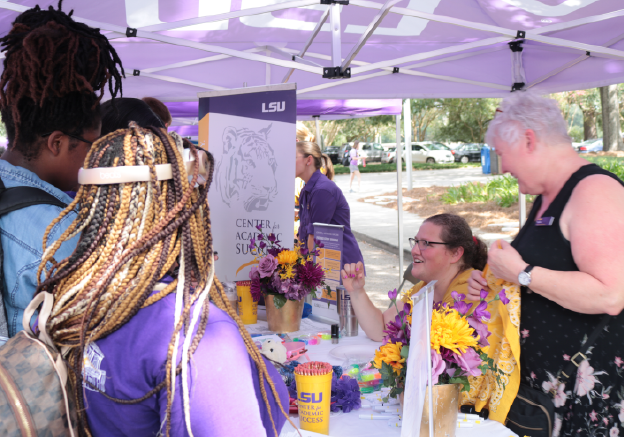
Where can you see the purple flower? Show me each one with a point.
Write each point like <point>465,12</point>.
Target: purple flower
<point>457,296</point>
<point>252,243</point>
<point>462,307</point>
<point>503,297</point>
<point>295,291</point>
<point>484,294</point>
<point>262,245</point>
<point>481,312</point>
<point>395,330</point>
<point>438,366</point>
<point>260,236</point>
<point>392,294</point>
<point>259,228</point>
<point>469,362</point>
<point>256,289</point>
<point>310,274</point>
<point>267,265</point>
<point>304,251</point>
<point>481,328</point>
<point>273,251</point>
<point>272,238</point>
<point>276,282</point>
<point>345,394</point>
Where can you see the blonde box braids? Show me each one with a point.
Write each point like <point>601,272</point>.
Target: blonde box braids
<point>131,236</point>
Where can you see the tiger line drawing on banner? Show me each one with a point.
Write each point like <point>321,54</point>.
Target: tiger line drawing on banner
<point>246,170</point>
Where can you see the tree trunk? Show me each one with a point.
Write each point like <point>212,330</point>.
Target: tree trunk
<point>611,138</point>
<point>589,125</point>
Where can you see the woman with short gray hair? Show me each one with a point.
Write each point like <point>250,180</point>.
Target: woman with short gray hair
<point>569,260</point>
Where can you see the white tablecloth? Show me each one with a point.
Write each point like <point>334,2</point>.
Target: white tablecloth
<point>350,424</point>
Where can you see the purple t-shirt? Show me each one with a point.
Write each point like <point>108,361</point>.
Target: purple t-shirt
<point>225,397</point>
<point>322,201</point>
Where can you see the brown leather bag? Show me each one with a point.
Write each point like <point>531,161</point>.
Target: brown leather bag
<point>35,396</point>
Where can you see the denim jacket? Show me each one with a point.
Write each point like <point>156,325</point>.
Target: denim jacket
<point>21,235</point>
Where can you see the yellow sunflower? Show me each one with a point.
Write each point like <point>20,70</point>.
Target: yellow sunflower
<point>390,354</point>
<point>287,257</point>
<point>451,331</point>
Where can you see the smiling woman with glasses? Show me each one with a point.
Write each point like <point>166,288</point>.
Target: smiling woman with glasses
<point>444,250</point>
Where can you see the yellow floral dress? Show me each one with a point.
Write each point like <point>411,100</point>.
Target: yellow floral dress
<point>504,345</point>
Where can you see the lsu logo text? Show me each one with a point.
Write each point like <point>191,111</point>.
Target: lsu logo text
<point>109,175</point>
<point>274,107</point>
<point>310,397</point>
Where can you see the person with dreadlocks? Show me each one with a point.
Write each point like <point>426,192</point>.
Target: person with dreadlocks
<point>154,347</point>
<point>55,73</point>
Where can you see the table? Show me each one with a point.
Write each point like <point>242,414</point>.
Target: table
<point>350,424</point>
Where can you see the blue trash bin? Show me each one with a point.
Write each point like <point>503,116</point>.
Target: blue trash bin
<point>485,159</point>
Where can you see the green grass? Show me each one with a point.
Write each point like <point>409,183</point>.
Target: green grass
<point>612,164</point>
<point>385,167</point>
<point>504,189</point>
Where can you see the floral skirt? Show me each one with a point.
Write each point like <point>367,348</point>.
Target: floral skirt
<point>592,404</point>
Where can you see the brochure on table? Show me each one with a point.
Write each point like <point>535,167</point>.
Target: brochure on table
<point>250,132</point>
<point>419,364</point>
<point>330,258</point>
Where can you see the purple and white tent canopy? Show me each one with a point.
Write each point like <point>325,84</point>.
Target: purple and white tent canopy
<point>184,114</point>
<point>394,48</point>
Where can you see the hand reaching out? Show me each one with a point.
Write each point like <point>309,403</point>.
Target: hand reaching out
<point>353,277</point>
<point>476,282</point>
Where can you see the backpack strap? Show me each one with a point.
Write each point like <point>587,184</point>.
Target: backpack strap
<point>16,198</point>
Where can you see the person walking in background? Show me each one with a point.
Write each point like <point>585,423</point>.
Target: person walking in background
<point>568,258</point>
<point>355,158</point>
<point>160,109</point>
<point>322,201</point>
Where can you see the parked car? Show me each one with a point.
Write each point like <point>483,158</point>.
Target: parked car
<point>389,156</point>
<point>592,145</point>
<point>333,152</point>
<point>468,152</point>
<point>430,153</point>
<point>371,151</point>
<point>344,153</point>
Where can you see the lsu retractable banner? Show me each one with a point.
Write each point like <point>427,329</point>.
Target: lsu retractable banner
<point>251,132</point>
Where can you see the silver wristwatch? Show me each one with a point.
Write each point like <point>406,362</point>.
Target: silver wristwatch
<point>524,278</point>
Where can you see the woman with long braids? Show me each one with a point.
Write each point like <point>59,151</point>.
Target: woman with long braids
<point>55,73</point>
<point>153,345</point>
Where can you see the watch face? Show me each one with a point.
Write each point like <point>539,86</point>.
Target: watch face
<point>524,279</point>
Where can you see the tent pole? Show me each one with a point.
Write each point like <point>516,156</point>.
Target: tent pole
<point>336,43</point>
<point>522,205</point>
<point>319,139</point>
<point>407,127</point>
<point>398,154</point>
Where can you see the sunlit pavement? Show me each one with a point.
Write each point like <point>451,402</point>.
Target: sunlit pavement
<point>378,225</point>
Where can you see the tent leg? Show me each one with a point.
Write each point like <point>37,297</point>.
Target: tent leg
<point>522,205</point>
<point>407,126</point>
<point>319,139</point>
<point>399,150</point>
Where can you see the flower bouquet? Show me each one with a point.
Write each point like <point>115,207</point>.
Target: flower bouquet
<point>285,275</point>
<point>458,334</point>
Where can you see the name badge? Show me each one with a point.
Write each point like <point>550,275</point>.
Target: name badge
<point>545,221</point>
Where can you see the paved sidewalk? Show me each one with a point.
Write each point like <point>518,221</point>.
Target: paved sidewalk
<point>379,226</point>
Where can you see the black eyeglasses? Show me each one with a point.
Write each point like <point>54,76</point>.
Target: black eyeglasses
<point>72,136</point>
<point>423,244</point>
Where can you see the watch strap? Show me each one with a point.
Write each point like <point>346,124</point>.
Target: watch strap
<point>528,269</point>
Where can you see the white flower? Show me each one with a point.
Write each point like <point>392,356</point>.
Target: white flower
<point>614,431</point>
<point>621,414</point>
<point>585,379</point>
<point>550,386</point>
<point>557,427</point>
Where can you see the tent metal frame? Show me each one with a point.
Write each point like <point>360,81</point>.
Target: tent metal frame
<point>362,70</point>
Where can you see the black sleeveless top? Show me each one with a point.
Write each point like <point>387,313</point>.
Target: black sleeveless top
<point>551,334</point>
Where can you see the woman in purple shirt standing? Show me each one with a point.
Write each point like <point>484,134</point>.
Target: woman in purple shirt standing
<point>322,201</point>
